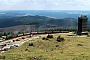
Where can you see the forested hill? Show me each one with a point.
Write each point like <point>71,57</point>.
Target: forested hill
<point>39,21</point>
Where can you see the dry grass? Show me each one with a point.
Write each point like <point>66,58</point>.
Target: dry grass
<point>73,48</point>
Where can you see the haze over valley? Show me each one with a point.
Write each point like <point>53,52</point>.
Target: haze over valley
<point>40,19</point>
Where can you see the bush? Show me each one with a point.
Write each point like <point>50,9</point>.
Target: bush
<point>59,39</point>
<point>44,38</point>
<point>57,45</point>
<point>26,49</point>
<point>30,44</point>
<point>79,45</point>
<point>49,36</point>
<point>47,39</point>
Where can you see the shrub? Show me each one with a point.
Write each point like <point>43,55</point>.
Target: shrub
<point>30,44</point>
<point>59,39</point>
<point>79,45</point>
<point>57,45</point>
<point>49,36</point>
<point>43,38</point>
<point>47,39</point>
<point>26,49</point>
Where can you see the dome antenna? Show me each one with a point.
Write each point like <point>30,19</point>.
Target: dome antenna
<point>82,14</point>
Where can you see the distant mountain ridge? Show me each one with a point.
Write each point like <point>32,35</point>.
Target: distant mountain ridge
<point>39,21</point>
<point>34,23</point>
<point>52,13</point>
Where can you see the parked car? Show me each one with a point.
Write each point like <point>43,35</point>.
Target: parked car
<point>5,49</point>
<point>2,44</point>
<point>16,45</point>
<point>12,47</point>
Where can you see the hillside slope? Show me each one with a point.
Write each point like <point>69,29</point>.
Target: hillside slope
<point>39,21</point>
<point>73,48</point>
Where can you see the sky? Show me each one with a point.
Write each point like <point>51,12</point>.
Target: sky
<point>44,4</point>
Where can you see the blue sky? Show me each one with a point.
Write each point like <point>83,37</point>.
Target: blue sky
<point>44,4</point>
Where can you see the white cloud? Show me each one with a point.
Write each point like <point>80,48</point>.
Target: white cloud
<point>45,4</point>
<point>84,2</point>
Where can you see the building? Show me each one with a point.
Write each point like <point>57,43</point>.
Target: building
<point>82,25</point>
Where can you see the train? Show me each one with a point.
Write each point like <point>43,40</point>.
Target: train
<point>33,33</point>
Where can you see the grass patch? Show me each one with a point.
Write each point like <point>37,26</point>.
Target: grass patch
<point>72,48</point>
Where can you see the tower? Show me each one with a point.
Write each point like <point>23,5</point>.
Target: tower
<point>82,24</point>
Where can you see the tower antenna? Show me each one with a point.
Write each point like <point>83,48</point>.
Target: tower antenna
<point>82,13</point>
